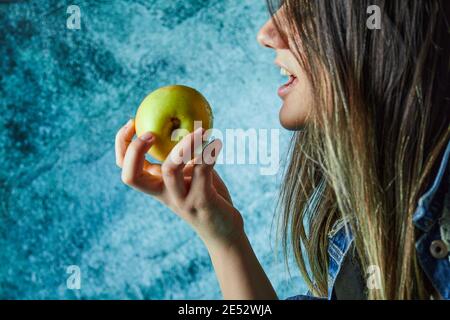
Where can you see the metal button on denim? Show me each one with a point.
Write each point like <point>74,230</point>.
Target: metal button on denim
<point>438,249</point>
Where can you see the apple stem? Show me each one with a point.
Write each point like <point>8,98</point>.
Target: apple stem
<point>176,123</point>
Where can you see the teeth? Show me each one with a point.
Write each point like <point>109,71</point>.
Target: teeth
<point>284,72</point>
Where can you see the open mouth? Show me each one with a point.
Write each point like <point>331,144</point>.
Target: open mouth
<point>284,90</point>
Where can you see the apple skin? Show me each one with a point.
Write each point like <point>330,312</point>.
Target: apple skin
<point>169,108</point>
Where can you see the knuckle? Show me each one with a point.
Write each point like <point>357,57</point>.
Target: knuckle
<point>134,150</point>
<point>168,171</point>
<point>206,201</point>
<point>128,179</point>
<point>134,147</point>
<point>138,145</point>
<point>202,169</point>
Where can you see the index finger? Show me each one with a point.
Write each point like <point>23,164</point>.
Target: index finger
<point>123,139</point>
<point>172,168</point>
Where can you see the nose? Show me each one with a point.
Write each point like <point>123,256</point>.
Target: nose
<point>270,37</point>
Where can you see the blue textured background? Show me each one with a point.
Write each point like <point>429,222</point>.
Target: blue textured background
<point>64,93</point>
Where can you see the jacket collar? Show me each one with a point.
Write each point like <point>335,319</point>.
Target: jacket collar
<point>428,209</point>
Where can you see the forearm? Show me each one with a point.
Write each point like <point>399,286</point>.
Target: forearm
<point>240,275</point>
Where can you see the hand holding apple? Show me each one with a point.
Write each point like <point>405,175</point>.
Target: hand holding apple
<point>194,191</point>
<point>170,108</point>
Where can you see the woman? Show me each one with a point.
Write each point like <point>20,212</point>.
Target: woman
<point>365,197</point>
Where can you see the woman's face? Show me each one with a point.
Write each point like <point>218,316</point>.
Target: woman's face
<point>296,93</point>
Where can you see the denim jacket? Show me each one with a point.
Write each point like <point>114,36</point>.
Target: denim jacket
<point>432,218</point>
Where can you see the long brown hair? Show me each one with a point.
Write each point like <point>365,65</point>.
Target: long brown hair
<point>370,158</point>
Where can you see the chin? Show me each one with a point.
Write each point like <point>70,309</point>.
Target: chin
<point>292,120</point>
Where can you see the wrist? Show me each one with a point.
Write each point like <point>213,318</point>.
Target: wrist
<point>221,231</point>
<point>235,242</point>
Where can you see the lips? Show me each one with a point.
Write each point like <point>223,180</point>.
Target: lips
<point>285,89</point>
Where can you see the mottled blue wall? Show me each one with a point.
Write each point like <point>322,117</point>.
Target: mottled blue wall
<point>63,95</point>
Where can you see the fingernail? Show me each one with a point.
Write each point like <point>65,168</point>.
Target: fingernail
<point>198,130</point>
<point>147,137</point>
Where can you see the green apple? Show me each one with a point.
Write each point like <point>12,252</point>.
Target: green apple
<point>170,108</point>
